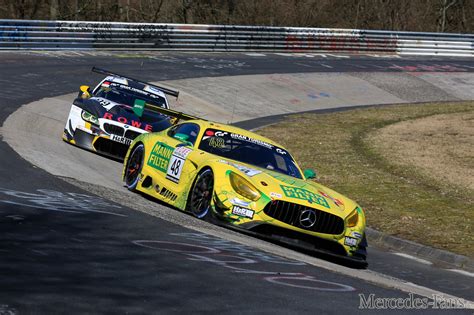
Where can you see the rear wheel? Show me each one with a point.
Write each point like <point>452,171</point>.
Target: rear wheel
<point>200,196</point>
<point>134,167</point>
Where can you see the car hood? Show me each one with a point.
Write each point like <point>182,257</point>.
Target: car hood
<point>107,109</point>
<point>278,186</point>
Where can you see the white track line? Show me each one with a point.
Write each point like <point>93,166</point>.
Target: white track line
<point>304,65</point>
<point>422,261</point>
<point>285,54</point>
<point>463,272</point>
<point>255,54</point>
<point>325,65</point>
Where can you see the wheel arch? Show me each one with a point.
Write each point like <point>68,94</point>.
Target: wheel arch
<point>193,183</point>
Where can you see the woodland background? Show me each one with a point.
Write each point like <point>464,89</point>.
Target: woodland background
<point>454,16</point>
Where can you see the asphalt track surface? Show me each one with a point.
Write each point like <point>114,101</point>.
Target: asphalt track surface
<point>63,250</point>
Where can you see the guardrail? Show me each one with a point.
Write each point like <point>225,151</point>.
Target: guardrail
<point>58,35</point>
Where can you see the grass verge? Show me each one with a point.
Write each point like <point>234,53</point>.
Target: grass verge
<point>399,197</point>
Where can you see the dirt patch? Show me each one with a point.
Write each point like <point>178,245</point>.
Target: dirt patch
<point>441,147</point>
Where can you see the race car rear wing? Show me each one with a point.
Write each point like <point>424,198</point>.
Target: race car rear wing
<point>172,113</point>
<point>163,89</point>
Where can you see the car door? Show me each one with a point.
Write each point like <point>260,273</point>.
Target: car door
<point>172,159</point>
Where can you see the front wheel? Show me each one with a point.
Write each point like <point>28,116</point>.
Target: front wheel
<point>134,167</point>
<point>200,196</point>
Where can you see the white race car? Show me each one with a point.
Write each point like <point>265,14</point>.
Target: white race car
<point>107,119</point>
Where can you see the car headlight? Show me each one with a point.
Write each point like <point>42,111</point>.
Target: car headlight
<point>89,117</point>
<point>353,218</point>
<point>243,187</point>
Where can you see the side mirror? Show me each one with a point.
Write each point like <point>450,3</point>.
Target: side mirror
<point>139,107</point>
<point>309,173</point>
<point>183,138</point>
<point>85,91</point>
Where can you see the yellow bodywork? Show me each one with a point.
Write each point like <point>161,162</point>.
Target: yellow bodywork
<point>271,186</point>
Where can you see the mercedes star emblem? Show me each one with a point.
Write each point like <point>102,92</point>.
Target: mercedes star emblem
<point>307,218</point>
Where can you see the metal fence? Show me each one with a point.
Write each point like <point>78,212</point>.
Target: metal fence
<point>59,35</point>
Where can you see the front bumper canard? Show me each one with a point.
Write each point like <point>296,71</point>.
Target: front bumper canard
<point>311,248</point>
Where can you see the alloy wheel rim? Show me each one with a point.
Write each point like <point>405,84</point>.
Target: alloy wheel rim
<point>134,165</point>
<point>202,194</point>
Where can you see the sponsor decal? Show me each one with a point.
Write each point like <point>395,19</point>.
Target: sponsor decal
<point>240,203</point>
<point>356,235</point>
<point>124,120</point>
<point>246,170</point>
<point>281,151</point>
<point>182,152</point>
<point>120,139</point>
<point>220,133</point>
<point>350,241</point>
<point>304,194</point>
<point>289,180</point>
<point>213,134</point>
<point>248,139</point>
<point>160,156</point>
<point>242,212</point>
<point>126,87</point>
<point>335,200</point>
<point>275,195</point>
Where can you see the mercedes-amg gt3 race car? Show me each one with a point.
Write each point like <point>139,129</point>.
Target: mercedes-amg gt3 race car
<point>233,176</point>
<point>118,109</point>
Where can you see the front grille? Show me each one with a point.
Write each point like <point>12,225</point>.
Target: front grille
<point>130,134</point>
<point>109,147</point>
<point>289,213</point>
<point>113,129</point>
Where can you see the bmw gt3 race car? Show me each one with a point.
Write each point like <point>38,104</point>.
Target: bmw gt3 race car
<point>108,118</point>
<point>236,177</point>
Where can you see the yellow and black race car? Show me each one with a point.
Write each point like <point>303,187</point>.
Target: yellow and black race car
<point>233,176</point>
<point>108,118</point>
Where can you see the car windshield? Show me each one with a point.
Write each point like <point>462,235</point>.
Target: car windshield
<point>124,94</point>
<point>248,150</point>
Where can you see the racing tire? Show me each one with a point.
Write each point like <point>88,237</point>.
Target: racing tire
<point>200,195</point>
<point>134,167</point>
